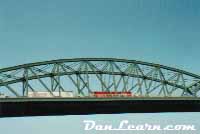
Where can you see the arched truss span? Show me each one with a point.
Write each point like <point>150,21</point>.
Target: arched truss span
<point>86,75</point>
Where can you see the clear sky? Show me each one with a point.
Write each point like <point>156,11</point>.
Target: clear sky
<point>159,31</point>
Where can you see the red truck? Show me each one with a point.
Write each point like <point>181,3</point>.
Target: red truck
<point>111,94</point>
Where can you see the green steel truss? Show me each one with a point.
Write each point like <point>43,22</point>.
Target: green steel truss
<point>86,75</point>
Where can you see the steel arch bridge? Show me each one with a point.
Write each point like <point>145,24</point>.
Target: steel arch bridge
<point>83,76</point>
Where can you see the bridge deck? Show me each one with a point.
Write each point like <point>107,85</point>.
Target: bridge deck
<point>99,99</point>
<point>17,107</point>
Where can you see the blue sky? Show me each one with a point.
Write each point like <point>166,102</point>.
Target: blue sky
<point>159,31</point>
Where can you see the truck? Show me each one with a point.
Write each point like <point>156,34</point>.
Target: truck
<point>40,94</point>
<point>101,94</point>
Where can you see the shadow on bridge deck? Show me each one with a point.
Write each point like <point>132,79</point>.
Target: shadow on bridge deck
<point>48,107</point>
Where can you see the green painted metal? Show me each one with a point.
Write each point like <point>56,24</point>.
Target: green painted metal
<point>85,75</point>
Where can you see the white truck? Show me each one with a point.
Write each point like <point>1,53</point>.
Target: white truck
<point>40,94</point>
